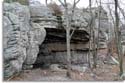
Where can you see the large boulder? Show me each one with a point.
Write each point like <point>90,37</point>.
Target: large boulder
<point>14,53</point>
<point>36,37</point>
<point>21,38</point>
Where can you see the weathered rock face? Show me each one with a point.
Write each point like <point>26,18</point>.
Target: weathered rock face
<point>103,35</point>
<point>77,57</point>
<point>43,16</point>
<point>53,50</point>
<point>24,32</point>
<point>103,29</point>
<point>13,52</point>
<point>21,38</point>
<point>82,19</point>
<point>36,37</point>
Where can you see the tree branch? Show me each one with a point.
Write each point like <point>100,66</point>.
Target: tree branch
<point>72,33</point>
<point>77,2</point>
<point>63,4</point>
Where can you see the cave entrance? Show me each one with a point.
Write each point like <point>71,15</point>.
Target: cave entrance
<point>47,57</point>
<point>53,49</point>
<point>41,58</point>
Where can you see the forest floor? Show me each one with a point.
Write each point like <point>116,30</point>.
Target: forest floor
<point>103,72</point>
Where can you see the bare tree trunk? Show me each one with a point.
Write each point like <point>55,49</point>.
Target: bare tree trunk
<point>90,41</point>
<point>68,29</point>
<point>109,53</point>
<point>94,49</point>
<point>68,51</point>
<point>118,37</point>
<point>95,53</point>
<point>94,42</point>
<point>99,14</point>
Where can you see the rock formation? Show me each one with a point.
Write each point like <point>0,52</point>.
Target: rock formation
<point>31,36</point>
<point>53,49</point>
<point>104,26</point>
<point>21,38</point>
<point>82,18</point>
<point>43,16</point>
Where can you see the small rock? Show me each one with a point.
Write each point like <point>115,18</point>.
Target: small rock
<point>79,68</point>
<point>92,74</point>
<point>54,67</point>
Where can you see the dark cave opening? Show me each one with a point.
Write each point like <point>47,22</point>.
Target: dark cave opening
<point>53,49</point>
